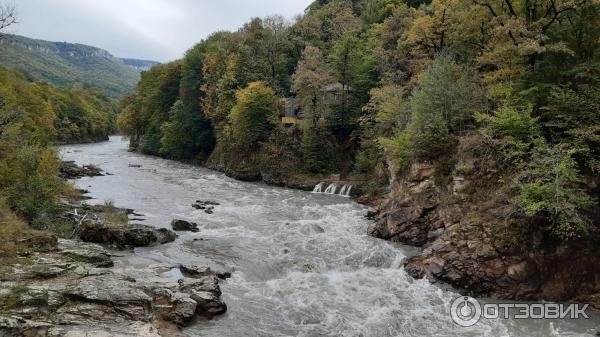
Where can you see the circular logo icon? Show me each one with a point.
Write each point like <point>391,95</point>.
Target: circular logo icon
<point>465,311</point>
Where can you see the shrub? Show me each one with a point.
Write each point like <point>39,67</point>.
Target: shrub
<point>551,187</point>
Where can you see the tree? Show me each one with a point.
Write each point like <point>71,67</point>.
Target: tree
<point>377,11</point>
<point>520,32</point>
<point>263,56</point>
<point>8,16</point>
<point>346,58</point>
<point>551,187</point>
<point>196,141</point>
<point>309,80</point>
<point>449,90</point>
<point>253,117</point>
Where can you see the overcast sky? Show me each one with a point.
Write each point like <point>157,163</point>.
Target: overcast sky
<point>160,30</point>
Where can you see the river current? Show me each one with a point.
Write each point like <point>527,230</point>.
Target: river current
<point>303,263</point>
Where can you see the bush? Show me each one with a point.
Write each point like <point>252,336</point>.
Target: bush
<point>317,152</point>
<point>551,187</point>
<point>30,179</point>
<point>255,114</point>
<point>515,123</point>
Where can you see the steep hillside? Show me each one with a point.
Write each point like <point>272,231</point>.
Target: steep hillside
<point>477,140</point>
<point>65,64</point>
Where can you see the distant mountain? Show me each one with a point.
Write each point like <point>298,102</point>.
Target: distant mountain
<point>142,65</point>
<point>65,64</point>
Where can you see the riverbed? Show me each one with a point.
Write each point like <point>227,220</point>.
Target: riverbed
<point>302,262</point>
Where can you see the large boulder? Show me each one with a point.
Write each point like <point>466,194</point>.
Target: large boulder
<point>70,170</point>
<point>85,252</point>
<point>184,226</point>
<point>124,236</point>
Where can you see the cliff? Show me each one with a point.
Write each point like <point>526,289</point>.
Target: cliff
<point>460,212</point>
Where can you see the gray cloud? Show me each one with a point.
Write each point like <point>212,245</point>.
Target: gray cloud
<point>152,29</point>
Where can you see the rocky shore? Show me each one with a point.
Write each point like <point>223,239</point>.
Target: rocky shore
<point>70,170</point>
<point>458,221</point>
<point>73,289</point>
<point>76,287</point>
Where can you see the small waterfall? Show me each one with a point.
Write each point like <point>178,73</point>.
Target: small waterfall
<point>345,191</point>
<point>348,190</point>
<point>331,189</point>
<point>319,188</point>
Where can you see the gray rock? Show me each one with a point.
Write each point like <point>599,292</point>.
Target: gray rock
<point>124,236</point>
<point>208,303</point>
<point>183,310</point>
<point>70,170</point>
<point>184,226</point>
<point>86,252</point>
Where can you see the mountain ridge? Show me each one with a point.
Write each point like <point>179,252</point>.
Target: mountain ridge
<point>66,64</point>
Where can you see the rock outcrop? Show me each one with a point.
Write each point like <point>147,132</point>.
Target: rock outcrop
<point>70,170</point>
<point>458,218</point>
<point>184,226</point>
<point>124,236</point>
<point>65,293</point>
<point>109,225</point>
<point>208,206</point>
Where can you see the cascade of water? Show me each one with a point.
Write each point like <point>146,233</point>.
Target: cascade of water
<point>331,189</point>
<point>348,190</point>
<point>343,190</point>
<point>319,188</point>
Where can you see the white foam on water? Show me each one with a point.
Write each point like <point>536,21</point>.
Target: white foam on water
<point>303,263</point>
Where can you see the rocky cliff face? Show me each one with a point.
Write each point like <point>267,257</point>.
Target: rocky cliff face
<point>459,218</point>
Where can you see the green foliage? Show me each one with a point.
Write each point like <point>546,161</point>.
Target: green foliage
<point>442,103</point>
<point>552,187</point>
<point>253,117</point>
<point>83,115</point>
<point>309,80</point>
<point>515,124</point>
<point>65,65</point>
<point>397,150</point>
<point>33,185</point>
<point>147,110</point>
<point>377,11</point>
<point>448,90</point>
<point>317,151</point>
<point>28,167</point>
<point>571,117</point>
<point>381,84</point>
<point>281,155</point>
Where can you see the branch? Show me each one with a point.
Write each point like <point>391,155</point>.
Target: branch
<point>510,8</point>
<point>8,16</point>
<point>556,17</point>
<point>491,9</point>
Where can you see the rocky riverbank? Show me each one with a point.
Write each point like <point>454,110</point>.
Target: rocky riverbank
<point>459,221</point>
<point>76,287</point>
<point>72,288</point>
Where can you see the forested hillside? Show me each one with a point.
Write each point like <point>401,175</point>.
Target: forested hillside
<point>383,84</point>
<point>33,116</point>
<point>66,64</point>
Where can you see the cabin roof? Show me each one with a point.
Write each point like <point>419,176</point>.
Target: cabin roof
<point>333,87</point>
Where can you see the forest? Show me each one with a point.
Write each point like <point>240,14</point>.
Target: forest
<point>370,87</point>
<point>34,117</point>
<point>466,132</point>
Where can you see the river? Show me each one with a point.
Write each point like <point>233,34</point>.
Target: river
<point>303,263</point>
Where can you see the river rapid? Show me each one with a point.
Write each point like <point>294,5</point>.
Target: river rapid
<point>303,263</point>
